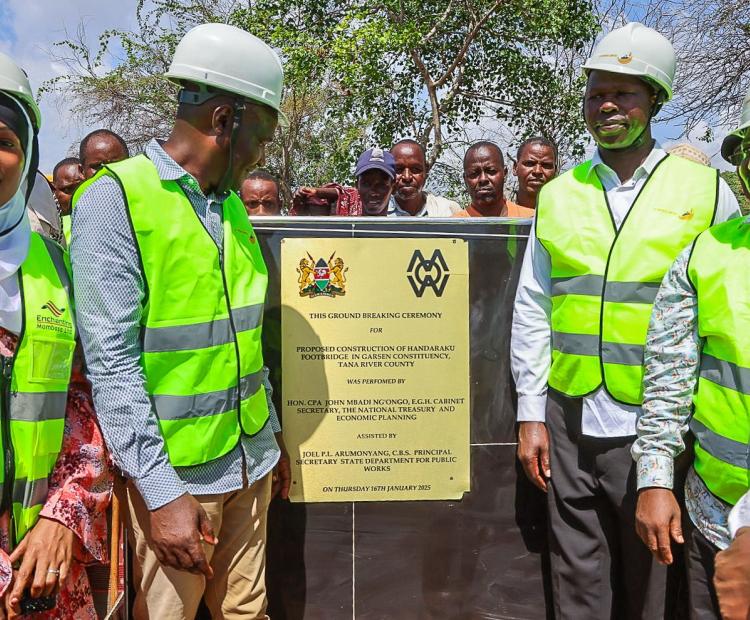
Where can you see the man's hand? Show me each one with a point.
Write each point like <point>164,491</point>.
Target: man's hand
<point>282,478</point>
<point>658,522</point>
<point>177,529</point>
<point>282,473</point>
<point>533,452</point>
<point>46,553</point>
<point>732,578</point>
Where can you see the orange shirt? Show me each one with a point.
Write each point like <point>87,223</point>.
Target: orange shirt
<point>510,209</point>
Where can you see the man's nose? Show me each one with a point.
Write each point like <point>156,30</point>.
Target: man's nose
<point>608,106</point>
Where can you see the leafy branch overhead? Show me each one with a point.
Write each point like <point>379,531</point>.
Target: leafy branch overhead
<point>358,73</point>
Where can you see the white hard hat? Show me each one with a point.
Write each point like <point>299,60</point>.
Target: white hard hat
<point>231,60</point>
<point>733,140</point>
<point>639,51</point>
<point>13,81</point>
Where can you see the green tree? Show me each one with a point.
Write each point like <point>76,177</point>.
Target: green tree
<point>357,73</point>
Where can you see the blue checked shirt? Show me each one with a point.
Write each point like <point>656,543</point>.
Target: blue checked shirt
<point>109,294</point>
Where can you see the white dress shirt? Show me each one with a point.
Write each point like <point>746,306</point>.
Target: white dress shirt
<point>740,515</point>
<point>531,355</point>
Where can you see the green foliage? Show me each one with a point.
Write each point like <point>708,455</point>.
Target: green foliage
<point>359,73</point>
<point>733,180</point>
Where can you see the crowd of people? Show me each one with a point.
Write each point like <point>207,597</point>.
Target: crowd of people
<point>630,327</point>
<point>388,182</point>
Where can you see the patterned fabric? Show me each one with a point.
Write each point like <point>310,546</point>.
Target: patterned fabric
<point>348,202</point>
<point>672,359</point>
<point>110,292</point>
<point>79,493</point>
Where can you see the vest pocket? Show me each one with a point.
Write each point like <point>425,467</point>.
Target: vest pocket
<point>51,359</point>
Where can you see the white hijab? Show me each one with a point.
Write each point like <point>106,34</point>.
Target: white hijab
<point>15,232</point>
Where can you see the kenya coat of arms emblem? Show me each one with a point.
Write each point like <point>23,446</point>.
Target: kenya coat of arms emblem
<point>322,277</point>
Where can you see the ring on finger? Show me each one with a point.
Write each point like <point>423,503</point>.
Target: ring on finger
<point>53,571</point>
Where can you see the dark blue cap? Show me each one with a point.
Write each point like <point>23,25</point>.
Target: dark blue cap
<point>376,158</point>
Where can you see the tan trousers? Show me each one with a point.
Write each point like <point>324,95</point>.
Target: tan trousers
<point>238,587</point>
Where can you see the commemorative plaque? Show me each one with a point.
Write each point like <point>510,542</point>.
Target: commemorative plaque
<point>375,359</point>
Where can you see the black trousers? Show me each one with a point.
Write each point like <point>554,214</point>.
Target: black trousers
<point>600,568</point>
<point>700,558</point>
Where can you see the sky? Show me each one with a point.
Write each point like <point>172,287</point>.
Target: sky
<point>30,28</point>
<point>28,31</point>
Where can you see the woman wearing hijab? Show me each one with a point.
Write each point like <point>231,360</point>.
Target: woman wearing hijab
<point>55,482</point>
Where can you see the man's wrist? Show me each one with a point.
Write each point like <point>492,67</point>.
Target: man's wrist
<point>655,471</point>
<point>160,487</point>
<point>532,408</point>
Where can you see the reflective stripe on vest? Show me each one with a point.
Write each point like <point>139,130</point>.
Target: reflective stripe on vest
<point>37,394</point>
<point>604,281</point>
<point>718,269</point>
<point>201,325</point>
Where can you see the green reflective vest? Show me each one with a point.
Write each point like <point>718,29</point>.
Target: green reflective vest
<point>719,270</point>
<point>67,223</point>
<point>604,280</point>
<point>35,383</point>
<point>202,315</point>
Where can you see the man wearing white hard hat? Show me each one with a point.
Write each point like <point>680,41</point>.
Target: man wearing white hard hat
<point>605,234</point>
<point>172,285</point>
<point>698,377</point>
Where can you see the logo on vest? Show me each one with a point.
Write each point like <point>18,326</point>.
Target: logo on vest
<point>50,305</point>
<point>53,323</point>
<point>321,277</point>
<point>685,215</point>
<point>424,273</point>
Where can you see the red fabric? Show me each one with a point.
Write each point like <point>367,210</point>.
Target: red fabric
<point>348,202</point>
<point>79,494</point>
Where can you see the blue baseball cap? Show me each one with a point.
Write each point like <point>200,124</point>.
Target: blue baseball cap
<point>376,158</point>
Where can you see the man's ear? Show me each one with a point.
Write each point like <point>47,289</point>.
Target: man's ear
<point>221,120</point>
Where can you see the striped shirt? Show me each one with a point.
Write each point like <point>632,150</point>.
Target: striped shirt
<point>109,293</point>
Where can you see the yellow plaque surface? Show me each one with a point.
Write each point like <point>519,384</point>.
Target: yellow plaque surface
<point>375,356</point>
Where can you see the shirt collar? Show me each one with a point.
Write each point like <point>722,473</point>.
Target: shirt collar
<point>166,167</point>
<point>169,170</point>
<point>645,169</point>
<point>395,209</point>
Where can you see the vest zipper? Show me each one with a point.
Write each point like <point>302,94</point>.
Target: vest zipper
<point>237,353</point>
<point>220,250</point>
<point>617,231</point>
<point>8,452</point>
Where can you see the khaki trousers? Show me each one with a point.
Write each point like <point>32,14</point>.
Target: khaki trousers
<point>238,587</point>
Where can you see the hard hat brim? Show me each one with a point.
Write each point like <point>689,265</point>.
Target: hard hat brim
<point>179,80</point>
<point>732,141</point>
<point>626,70</point>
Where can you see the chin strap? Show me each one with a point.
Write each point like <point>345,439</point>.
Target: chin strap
<point>226,180</point>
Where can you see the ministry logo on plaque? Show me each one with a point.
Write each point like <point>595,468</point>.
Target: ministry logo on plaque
<point>321,277</point>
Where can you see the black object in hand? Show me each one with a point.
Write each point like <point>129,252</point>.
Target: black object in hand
<point>30,605</point>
